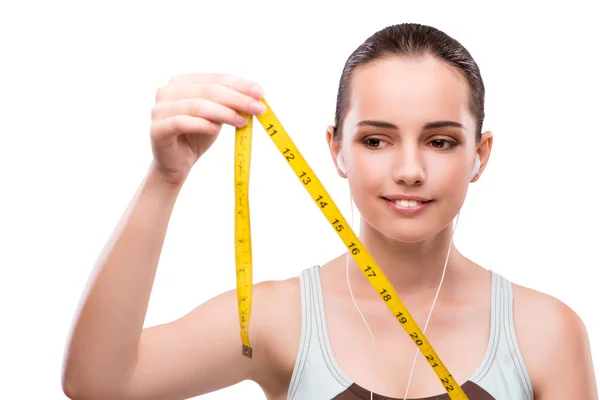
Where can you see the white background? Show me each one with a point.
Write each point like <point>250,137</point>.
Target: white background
<point>77,84</point>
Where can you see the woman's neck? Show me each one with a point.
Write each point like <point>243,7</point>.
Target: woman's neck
<point>411,268</point>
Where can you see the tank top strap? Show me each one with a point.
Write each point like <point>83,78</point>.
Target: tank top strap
<point>506,309</point>
<point>503,360</point>
<point>305,333</point>
<point>315,371</point>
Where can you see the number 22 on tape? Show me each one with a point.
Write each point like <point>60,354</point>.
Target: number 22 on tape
<point>243,243</point>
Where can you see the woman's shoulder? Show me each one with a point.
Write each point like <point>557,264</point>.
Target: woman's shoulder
<point>544,320</point>
<point>553,341</point>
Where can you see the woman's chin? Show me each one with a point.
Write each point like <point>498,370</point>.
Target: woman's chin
<point>407,232</point>
<point>409,237</point>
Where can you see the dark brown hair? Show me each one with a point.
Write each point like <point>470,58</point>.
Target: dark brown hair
<point>413,40</point>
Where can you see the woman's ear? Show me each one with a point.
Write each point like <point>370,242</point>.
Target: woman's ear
<point>329,135</point>
<point>484,150</point>
<point>334,149</point>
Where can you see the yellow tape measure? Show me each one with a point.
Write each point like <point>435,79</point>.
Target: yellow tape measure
<point>243,147</point>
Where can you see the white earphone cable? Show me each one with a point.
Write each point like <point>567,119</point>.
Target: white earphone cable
<point>365,321</point>
<point>356,305</point>
<point>432,306</point>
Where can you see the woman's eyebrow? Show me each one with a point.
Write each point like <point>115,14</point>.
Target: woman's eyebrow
<point>377,124</point>
<point>430,125</point>
<point>443,124</point>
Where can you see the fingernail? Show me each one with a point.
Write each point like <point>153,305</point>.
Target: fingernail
<point>257,91</point>
<point>258,108</point>
<point>240,120</point>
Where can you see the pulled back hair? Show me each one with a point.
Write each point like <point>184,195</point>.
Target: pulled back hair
<point>413,40</point>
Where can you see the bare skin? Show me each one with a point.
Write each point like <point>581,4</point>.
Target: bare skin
<point>111,356</point>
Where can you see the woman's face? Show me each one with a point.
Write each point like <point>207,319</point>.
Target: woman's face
<point>409,132</point>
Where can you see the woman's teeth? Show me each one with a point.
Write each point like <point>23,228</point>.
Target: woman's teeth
<point>407,203</point>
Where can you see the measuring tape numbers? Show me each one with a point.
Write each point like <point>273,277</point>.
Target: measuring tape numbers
<point>243,244</point>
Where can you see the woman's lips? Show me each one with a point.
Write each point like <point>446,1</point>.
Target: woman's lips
<point>407,207</point>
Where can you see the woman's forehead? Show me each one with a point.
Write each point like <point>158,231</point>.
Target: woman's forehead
<point>408,92</point>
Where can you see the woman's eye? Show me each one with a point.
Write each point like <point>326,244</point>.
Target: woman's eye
<point>372,142</point>
<point>439,144</point>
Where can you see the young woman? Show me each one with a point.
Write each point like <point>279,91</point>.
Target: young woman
<point>408,138</point>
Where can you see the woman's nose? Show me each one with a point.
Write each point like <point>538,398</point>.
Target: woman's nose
<point>408,169</point>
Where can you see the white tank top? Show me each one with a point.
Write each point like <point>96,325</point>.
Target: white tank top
<point>501,375</point>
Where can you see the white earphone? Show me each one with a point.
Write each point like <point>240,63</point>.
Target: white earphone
<point>340,163</point>
<point>476,165</point>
